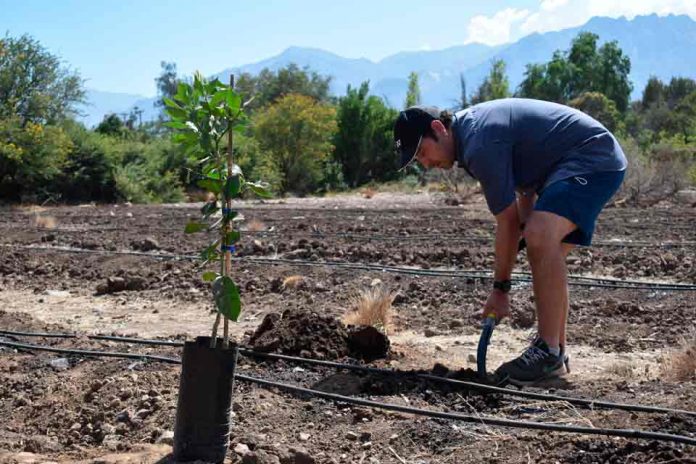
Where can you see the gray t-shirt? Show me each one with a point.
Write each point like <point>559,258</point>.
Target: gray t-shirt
<point>525,145</point>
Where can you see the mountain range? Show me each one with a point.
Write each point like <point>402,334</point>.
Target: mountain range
<point>663,46</point>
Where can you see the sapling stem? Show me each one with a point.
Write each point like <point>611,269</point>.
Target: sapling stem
<point>227,265</point>
<point>213,337</point>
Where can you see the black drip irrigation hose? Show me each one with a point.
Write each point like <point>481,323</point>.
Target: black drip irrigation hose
<point>483,420</point>
<point>520,277</point>
<point>588,403</point>
<point>449,237</point>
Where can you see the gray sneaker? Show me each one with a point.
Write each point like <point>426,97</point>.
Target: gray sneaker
<point>533,365</point>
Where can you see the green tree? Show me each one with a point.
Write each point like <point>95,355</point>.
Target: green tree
<point>683,119</point>
<point>583,68</point>
<point>31,158</point>
<point>463,98</point>
<point>364,141</point>
<point>111,125</point>
<point>296,133</point>
<point>167,82</point>
<point>653,93</point>
<point>496,85</point>
<point>599,107</point>
<point>34,87</point>
<point>268,86</point>
<point>413,96</point>
<point>678,89</point>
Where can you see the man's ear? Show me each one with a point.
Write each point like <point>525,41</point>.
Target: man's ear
<point>437,127</point>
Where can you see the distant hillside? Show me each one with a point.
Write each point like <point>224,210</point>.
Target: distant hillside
<point>663,46</point>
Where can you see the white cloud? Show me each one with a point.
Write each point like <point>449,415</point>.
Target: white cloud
<point>554,15</point>
<point>496,29</point>
<point>550,5</point>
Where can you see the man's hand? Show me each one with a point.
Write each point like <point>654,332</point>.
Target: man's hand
<point>498,303</point>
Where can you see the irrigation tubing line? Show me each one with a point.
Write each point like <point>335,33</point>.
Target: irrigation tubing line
<point>483,420</point>
<point>450,237</point>
<point>106,354</point>
<point>588,403</point>
<point>574,280</point>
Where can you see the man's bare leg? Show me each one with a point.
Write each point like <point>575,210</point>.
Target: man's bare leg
<point>567,248</point>
<point>543,233</point>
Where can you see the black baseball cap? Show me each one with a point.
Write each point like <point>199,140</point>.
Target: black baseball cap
<point>410,128</point>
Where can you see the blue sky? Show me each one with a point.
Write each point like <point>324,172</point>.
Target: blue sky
<point>117,45</point>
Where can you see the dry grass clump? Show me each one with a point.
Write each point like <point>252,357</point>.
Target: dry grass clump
<point>680,365</point>
<point>372,307</point>
<point>45,222</point>
<point>293,281</point>
<point>622,370</point>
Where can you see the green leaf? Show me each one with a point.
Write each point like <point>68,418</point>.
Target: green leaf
<point>234,100</point>
<point>211,252</point>
<point>230,215</point>
<point>176,113</point>
<point>175,124</point>
<point>259,189</point>
<point>232,237</point>
<point>233,186</point>
<point>193,227</point>
<point>211,185</point>
<point>209,209</point>
<point>210,276</point>
<point>182,92</point>
<point>219,97</point>
<point>227,299</point>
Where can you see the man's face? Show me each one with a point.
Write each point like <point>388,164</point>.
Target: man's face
<point>436,152</point>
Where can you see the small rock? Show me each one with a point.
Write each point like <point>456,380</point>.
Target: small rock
<point>166,438</point>
<point>241,449</point>
<point>142,413</point>
<point>471,358</point>
<point>367,445</point>
<point>58,293</point>
<point>59,364</point>
<point>123,416</point>
<point>429,332</point>
<point>351,435</point>
<point>304,436</point>
<point>455,324</point>
<point>260,457</point>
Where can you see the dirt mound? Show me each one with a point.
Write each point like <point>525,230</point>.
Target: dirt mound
<point>368,342</point>
<point>23,322</point>
<point>587,452</point>
<point>309,334</point>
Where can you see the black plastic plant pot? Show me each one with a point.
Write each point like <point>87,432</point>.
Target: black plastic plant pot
<point>202,430</point>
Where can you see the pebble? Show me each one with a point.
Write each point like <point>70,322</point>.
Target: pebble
<point>241,449</point>
<point>304,436</point>
<point>59,364</point>
<point>166,437</point>
<point>351,435</point>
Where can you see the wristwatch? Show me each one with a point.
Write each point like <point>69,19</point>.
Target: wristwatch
<point>502,285</point>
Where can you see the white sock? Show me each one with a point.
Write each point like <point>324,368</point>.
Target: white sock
<point>556,351</point>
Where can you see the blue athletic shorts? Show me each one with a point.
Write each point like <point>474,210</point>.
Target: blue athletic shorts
<point>580,200</point>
